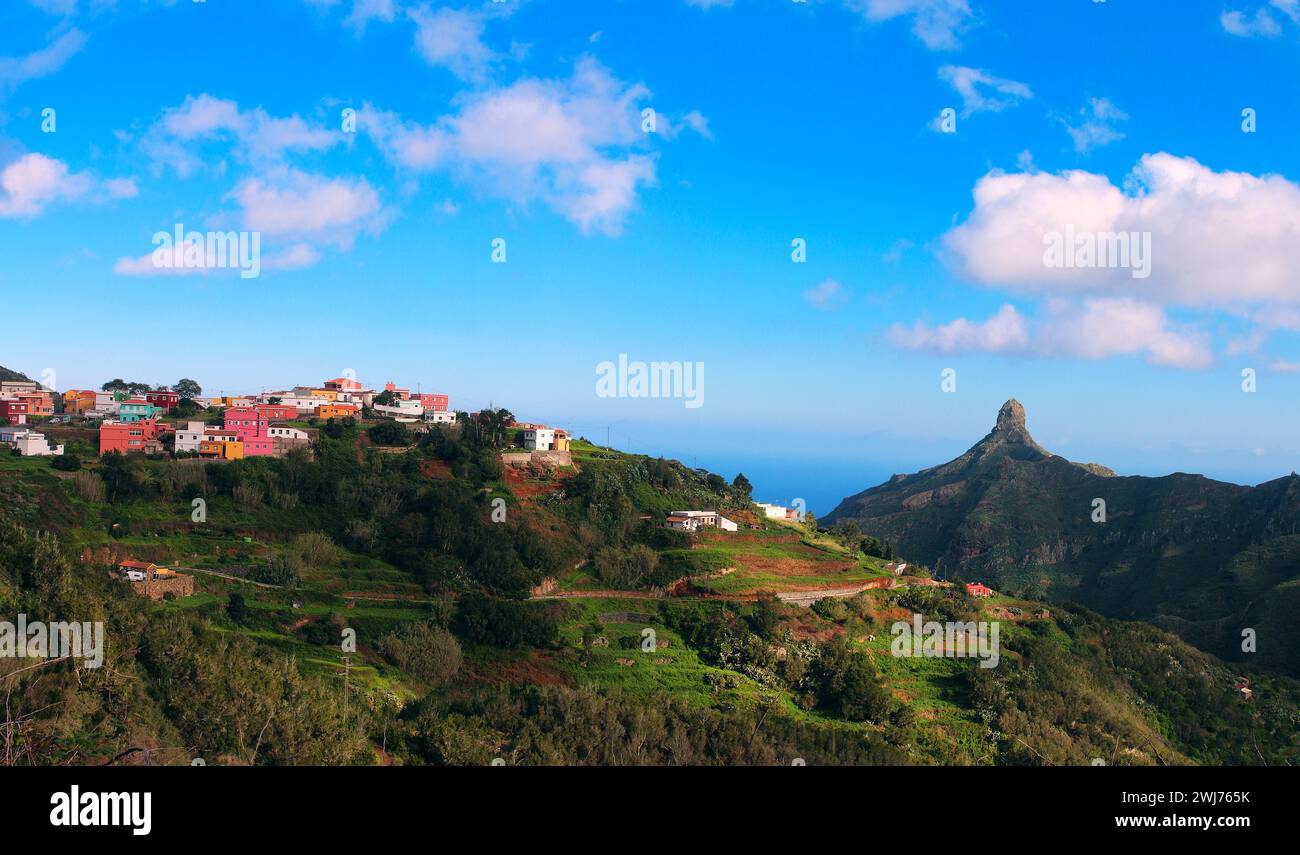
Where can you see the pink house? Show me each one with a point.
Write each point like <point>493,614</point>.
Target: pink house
<point>434,403</point>
<point>251,425</point>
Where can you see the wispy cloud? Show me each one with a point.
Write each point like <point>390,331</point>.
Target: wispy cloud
<point>1096,126</point>
<point>16,70</point>
<point>826,295</point>
<point>981,91</point>
<point>937,23</point>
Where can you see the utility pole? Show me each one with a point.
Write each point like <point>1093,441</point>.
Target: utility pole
<point>347,667</point>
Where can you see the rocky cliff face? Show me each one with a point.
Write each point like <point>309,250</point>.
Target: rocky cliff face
<point>1201,556</point>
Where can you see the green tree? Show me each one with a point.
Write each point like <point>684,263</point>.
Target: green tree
<point>187,388</point>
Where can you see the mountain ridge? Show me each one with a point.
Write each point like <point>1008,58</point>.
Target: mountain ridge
<point>1202,557</point>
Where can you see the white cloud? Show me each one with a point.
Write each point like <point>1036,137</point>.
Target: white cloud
<point>1093,329</point>
<point>709,4</point>
<point>574,144</point>
<point>40,63</point>
<point>257,136</point>
<point>981,91</point>
<point>828,294</point>
<point>32,182</point>
<point>935,22</point>
<point>296,257</point>
<point>300,205</point>
<point>452,39</point>
<point>1097,127</point>
<point>1217,238</point>
<point>365,11</point>
<point>1003,333</point>
<point>1260,24</point>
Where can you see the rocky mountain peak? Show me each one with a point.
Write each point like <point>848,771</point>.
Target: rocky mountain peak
<point>1011,417</point>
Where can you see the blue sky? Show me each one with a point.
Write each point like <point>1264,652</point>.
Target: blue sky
<point>773,121</point>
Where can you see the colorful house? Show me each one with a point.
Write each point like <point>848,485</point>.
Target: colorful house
<point>221,449</point>
<point>14,410</point>
<point>128,437</point>
<point>342,384</point>
<point>979,589</point>
<point>433,403</point>
<point>278,412</point>
<point>137,409</point>
<point>78,401</point>
<point>336,411</point>
<point>190,436</point>
<point>163,399</point>
<point>39,403</point>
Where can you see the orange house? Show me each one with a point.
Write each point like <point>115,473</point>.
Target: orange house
<point>979,589</point>
<point>78,401</point>
<point>127,437</point>
<point>336,411</point>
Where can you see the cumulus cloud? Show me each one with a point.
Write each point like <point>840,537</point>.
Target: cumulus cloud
<point>32,182</point>
<point>1090,329</point>
<point>936,23</point>
<point>575,144</point>
<point>297,204</point>
<point>981,91</point>
<point>1216,238</point>
<point>1097,125</point>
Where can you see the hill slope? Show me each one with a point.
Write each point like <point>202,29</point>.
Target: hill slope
<point>7,375</point>
<point>1201,557</point>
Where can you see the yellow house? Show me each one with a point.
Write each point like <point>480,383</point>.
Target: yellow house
<point>325,394</point>
<point>78,401</point>
<point>221,449</point>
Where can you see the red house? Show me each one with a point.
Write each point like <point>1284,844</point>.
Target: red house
<point>15,410</point>
<point>163,399</point>
<point>979,589</point>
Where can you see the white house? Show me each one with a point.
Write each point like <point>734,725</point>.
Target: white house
<point>696,520</point>
<point>539,439</point>
<point>28,442</point>
<point>775,512</point>
<point>439,417</point>
<point>408,410</point>
<point>189,437</point>
<point>287,432</point>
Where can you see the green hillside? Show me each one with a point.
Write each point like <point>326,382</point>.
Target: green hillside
<point>571,631</point>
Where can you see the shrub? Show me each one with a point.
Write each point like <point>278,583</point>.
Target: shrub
<point>424,650</point>
<point>66,462</point>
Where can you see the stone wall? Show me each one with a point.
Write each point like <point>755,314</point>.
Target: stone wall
<point>180,585</point>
